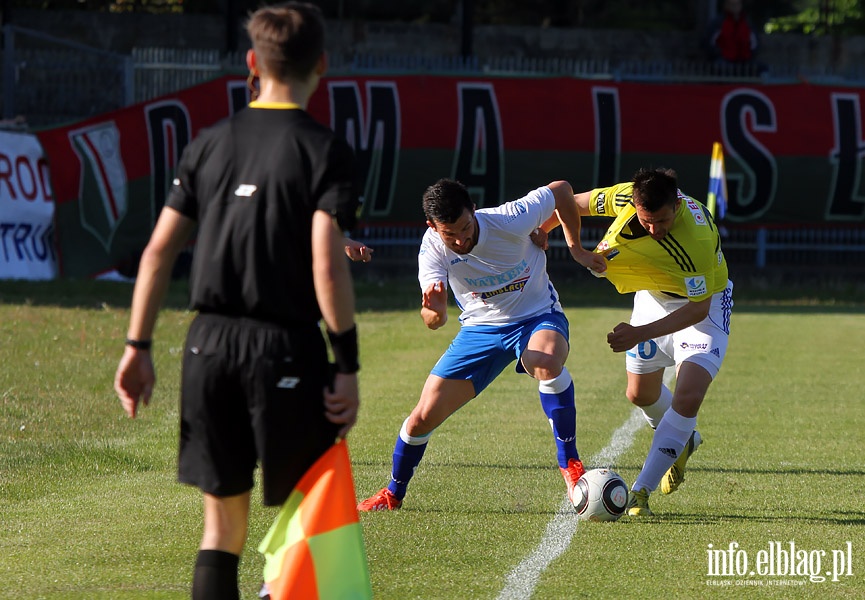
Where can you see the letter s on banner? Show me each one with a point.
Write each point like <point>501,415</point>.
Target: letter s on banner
<point>26,210</point>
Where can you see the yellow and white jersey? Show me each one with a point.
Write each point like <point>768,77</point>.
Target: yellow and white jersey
<point>687,262</point>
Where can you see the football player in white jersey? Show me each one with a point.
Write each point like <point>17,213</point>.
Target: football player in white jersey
<point>510,312</point>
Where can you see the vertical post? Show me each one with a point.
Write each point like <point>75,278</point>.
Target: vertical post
<point>761,248</point>
<point>8,72</point>
<point>128,80</point>
<point>467,23</point>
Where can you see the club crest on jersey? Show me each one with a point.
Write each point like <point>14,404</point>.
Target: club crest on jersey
<point>696,286</point>
<point>603,245</point>
<point>699,217</point>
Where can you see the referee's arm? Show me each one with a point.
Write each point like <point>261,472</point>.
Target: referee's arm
<point>331,274</point>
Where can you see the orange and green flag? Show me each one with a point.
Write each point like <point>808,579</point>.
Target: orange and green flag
<point>314,549</point>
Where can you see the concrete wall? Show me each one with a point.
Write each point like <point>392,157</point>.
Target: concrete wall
<point>122,32</point>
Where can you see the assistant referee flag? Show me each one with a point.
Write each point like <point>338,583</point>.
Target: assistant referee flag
<point>314,549</point>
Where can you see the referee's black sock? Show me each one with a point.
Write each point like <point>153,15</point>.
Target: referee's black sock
<point>215,576</point>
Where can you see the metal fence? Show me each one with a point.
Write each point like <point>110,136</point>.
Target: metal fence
<point>50,81</point>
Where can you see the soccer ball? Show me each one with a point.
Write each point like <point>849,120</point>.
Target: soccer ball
<point>600,495</point>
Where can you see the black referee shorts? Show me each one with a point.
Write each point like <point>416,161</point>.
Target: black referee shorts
<point>251,393</point>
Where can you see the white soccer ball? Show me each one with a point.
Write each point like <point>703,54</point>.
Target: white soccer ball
<point>600,495</point>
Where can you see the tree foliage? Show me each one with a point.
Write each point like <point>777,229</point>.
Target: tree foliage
<point>816,17</point>
<point>821,17</point>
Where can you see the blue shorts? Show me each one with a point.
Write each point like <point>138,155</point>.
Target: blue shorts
<point>481,352</point>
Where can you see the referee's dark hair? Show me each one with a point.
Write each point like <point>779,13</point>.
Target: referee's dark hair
<point>288,39</point>
<point>655,188</point>
<point>445,201</point>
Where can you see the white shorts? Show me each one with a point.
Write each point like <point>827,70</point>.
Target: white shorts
<point>704,343</point>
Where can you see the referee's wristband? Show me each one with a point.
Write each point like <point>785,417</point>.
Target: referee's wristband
<point>139,344</point>
<point>344,347</point>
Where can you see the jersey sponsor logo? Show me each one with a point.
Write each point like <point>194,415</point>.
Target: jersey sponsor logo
<point>516,286</point>
<point>611,255</point>
<point>699,217</point>
<point>690,346</point>
<point>603,245</point>
<point>245,190</point>
<point>499,279</point>
<point>459,259</point>
<point>696,286</point>
<point>288,383</point>
<point>720,258</point>
<point>600,204</point>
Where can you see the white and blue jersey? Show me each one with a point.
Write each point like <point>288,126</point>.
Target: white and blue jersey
<point>503,280</point>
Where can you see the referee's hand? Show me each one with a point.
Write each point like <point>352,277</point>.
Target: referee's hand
<point>134,379</point>
<point>357,251</point>
<point>342,401</point>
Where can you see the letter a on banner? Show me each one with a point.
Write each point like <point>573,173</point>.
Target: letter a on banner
<point>314,549</point>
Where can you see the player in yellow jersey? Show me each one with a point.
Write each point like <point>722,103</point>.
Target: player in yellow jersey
<point>664,246</point>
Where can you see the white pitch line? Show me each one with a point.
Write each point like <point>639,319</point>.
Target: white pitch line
<point>520,583</point>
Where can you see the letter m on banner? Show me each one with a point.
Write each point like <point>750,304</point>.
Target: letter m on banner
<point>102,189</point>
<point>375,139</point>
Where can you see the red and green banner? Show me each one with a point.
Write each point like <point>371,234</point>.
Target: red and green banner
<point>314,549</point>
<point>793,152</point>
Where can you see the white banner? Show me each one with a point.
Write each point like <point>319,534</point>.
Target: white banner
<point>26,210</point>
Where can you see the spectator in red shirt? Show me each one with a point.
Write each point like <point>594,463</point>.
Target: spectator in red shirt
<point>732,38</point>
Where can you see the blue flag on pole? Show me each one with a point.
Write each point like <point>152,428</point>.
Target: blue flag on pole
<point>717,197</point>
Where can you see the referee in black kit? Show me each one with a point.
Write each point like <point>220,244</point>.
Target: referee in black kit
<point>271,191</point>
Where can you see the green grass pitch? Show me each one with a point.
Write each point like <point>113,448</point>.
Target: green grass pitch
<point>89,506</point>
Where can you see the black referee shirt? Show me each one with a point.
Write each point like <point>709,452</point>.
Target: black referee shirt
<point>253,182</point>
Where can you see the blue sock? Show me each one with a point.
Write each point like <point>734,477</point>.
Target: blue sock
<point>557,400</point>
<point>407,453</point>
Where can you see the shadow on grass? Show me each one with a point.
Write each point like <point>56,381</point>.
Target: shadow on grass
<point>433,464</point>
<point>384,288</point>
<point>84,293</point>
<point>854,518</point>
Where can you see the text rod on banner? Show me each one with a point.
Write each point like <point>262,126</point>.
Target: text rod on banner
<point>314,549</point>
<point>717,197</point>
<point>27,209</point>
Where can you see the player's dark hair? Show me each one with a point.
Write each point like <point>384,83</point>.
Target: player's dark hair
<point>288,39</point>
<point>445,201</point>
<point>654,189</point>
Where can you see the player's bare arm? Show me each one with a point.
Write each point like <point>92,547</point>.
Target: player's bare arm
<point>135,376</point>
<point>335,294</point>
<point>625,336</point>
<point>568,214</point>
<point>434,305</point>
